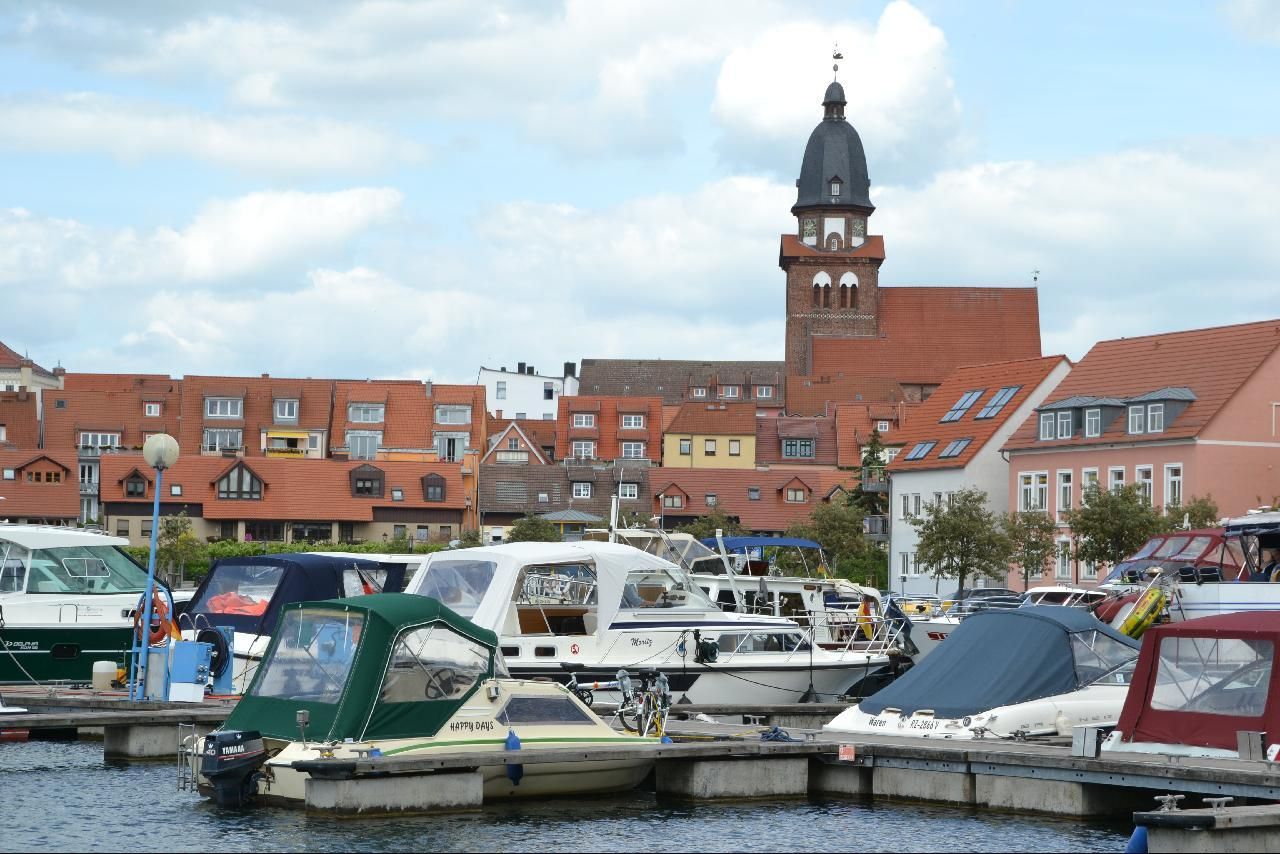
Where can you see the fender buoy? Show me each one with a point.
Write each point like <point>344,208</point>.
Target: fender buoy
<point>865,623</point>
<point>162,628</point>
<point>1144,613</point>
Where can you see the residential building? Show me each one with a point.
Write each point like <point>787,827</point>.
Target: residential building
<point>817,395</point>
<point>604,427</point>
<point>953,442</point>
<point>679,381</point>
<point>787,441</point>
<point>526,394</point>
<point>253,416</point>
<point>508,492</point>
<point>20,373</point>
<point>711,436</point>
<point>855,422</point>
<point>37,487</point>
<point>538,434</point>
<point>288,500</point>
<point>763,501</point>
<point>1182,414</point>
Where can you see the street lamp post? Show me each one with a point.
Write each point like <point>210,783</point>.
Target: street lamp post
<point>161,452</point>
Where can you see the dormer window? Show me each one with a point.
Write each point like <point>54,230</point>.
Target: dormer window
<point>584,419</point>
<point>223,407</point>
<point>240,483</point>
<point>1138,419</point>
<point>1092,423</point>
<point>433,487</point>
<point>1065,425</point>
<point>1046,426</point>
<point>796,496</point>
<point>1155,418</point>
<point>286,410</point>
<point>835,186</point>
<point>135,487</point>
<point>366,413</point>
<point>150,410</point>
<point>698,391</point>
<point>452,413</point>
<point>366,482</point>
<point>729,391</point>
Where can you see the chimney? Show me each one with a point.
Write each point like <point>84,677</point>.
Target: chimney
<point>428,384</point>
<point>519,367</point>
<point>531,370</point>
<point>570,369</point>
<point>266,376</point>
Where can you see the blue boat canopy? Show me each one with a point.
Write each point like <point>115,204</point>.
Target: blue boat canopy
<point>1002,657</point>
<point>737,544</point>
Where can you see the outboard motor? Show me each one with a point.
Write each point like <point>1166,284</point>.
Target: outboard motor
<point>230,763</point>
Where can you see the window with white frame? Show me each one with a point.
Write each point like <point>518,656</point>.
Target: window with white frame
<point>633,450</point>
<point>1144,477</point>
<point>453,413</point>
<point>735,447</point>
<point>366,413</point>
<point>882,427</point>
<point>709,447</point>
<point>906,506</point>
<point>223,407</point>
<point>633,422</point>
<point>581,490</point>
<point>1064,494</point>
<point>915,503</point>
<point>313,441</point>
<point>729,391</point>
<point>1064,560</point>
<point>151,410</point>
<point>363,444</point>
<point>218,440</point>
<point>1092,423</point>
<point>628,490</point>
<point>1064,425</point>
<point>583,449</point>
<point>1137,419</point>
<point>764,392</point>
<point>670,501</point>
<point>1089,570</point>
<point>698,391</point>
<point>1115,478</point>
<point>1173,484</point>
<point>500,390</point>
<point>99,440</point>
<point>686,447</point>
<point>1155,418</point>
<point>795,495</point>
<point>584,419</point>
<point>711,499</point>
<point>1088,478</point>
<point>548,391</point>
<point>753,493</point>
<point>1033,491</point>
<point>904,560</point>
<point>1046,425</point>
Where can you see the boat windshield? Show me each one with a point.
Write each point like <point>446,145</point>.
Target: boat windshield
<point>433,663</point>
<point>1224,676</point>
<point>459,584</point>
<point>239,589</point>
<point>1148,549</point>
<point>1193,549</point>
<point>312,657</point>
<point>1097,654</point>
<point>662,587</point>
<point>72,570</point>
<point>1172,546</point>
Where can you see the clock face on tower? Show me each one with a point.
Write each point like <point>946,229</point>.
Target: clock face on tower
<point>809,228</point>
<point>859,228</point>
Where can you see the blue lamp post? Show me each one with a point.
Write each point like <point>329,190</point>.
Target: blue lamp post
<point>161,452</point>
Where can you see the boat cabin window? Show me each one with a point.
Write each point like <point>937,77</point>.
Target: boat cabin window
<point>1193,549</point>
<point>83,569</point>
<point>1096,654</point>
<point>544,710</point>
<point>433,663</point>
<point>459,584</point>
<point>13,568</point>
<point>362,581</point>
<point>1148,549</point>
<point>239,589</point>
<point>661,587</point>
<point>748,642</point>
<point>1223,676</point>
<point>312,656</point>
<point>1172,546</point>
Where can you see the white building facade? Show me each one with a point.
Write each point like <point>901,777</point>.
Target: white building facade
<point>524,393</point>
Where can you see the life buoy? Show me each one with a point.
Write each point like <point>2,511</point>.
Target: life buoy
<point>162,627</point>
<point>1144,613</point>
<point>865,621</point>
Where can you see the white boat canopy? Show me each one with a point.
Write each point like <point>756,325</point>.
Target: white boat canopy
<point>52,537</point>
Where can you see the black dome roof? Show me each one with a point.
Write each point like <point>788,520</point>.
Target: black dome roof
<point>834,151</point>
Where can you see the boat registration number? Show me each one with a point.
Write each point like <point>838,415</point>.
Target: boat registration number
<point>472,726</point>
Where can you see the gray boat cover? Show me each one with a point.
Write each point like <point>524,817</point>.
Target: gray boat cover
<point>1001,657</point>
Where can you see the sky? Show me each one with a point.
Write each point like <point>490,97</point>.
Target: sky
<point>416,189</point>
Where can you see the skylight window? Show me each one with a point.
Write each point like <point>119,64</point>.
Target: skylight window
<point>993,407</point>
<point>920,451</point>
<point>955,449</point>
<point>968,399</point>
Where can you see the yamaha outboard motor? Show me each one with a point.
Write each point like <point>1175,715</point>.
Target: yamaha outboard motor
<point>230,763</point>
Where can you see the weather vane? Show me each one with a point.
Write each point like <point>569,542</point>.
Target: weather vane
<point>836,56</point>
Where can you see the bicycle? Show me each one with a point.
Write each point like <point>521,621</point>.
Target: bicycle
<point>642,711</point>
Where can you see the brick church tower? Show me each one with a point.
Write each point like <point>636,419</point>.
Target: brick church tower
<point>831,263</point>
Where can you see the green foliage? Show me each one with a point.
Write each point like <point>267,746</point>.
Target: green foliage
<point>838,529</point>
<point>705,526</point>
<point>470,539</point>
<point>869,502</point>
<point>869,567</point>
<point>533,529</point>
<point>1031,541</point>
<point>962,538</point>
<point>1113,523</point>
<point>1199,513</point>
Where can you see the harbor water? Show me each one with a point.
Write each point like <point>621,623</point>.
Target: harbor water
<point>63,796</point>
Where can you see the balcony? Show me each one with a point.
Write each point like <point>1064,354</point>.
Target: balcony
<point>876,528</point>
<point>99,450</point>
<point>285,452</point>
<point>512,458</point>
<point>88,488</point>
<point>224,451</point>
<point>874,479</point>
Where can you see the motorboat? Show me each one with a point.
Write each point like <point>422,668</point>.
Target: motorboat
<point>396,675</point>
<point>1073,597</point>
<point>1199,683</point>
<point>933,622</point>
<point>1036,670</point>
<point>609,607</point>
<point>68,598</point>
<point>246,595</point>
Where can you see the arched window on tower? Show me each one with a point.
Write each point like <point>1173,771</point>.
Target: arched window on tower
<point>833,242</point>
<point>821,279</point>
<point>826,296</point>
<point>848,290</point>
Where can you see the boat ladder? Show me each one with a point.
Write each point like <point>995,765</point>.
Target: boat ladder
<point>187,738</point>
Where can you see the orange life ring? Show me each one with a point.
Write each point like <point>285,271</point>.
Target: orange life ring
<point>162,628</point>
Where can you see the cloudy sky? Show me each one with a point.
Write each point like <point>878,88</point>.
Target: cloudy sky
<point>413,189</point>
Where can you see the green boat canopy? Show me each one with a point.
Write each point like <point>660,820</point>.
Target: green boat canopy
<point>387,665</point>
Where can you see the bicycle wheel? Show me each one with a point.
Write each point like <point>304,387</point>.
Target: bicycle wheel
<point>630,717</point>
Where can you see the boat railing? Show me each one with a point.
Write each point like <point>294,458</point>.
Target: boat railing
<point>549,588</point>
<point>848,631</point>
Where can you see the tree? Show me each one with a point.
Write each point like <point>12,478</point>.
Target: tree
<point>177,546</point>
<point>1199,513</point>
<point>533,529</point>
<point>962,538</point>
<point>705,526</point>
<point>1112,524</point>
<point>835,527</point>
<point>1031,543</point>
<point>871,502</point>
<point>470,539</point>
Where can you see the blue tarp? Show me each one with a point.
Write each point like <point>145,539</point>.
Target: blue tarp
<point>999,658</point>
<point>737,544</point>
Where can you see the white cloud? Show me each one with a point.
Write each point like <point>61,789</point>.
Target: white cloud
<point>133,132</point>
<point>227,239</point>
<point>1254,19</point>
<point>900,93</point>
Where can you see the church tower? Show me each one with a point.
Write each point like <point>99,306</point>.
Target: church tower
<point>831,263</point>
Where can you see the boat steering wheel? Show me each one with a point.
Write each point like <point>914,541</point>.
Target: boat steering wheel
<point>437,680</point>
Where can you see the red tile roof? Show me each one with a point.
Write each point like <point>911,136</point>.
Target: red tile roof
<point>608,432</point>
<point>794,247</point>
<point>812,395</point>
<point>770,512</point>
<point>1213,363</point>
<point>42,500</point>
<point>18,417</point>
<point>115,382</point>
<point>541,431</point>
<point>715,419</point>
<point>10,358</point>
<point>855,421</point>
<point>293,489</point>
<point>926,333</point>
<point>926,423</point>
<point>70,412</point>
<point>408,414</point>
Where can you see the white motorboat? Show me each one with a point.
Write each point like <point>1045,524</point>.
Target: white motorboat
<point>1036,670</point>
<point>68,598</point>
<point>607,607</point>
<point>396,675</point>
